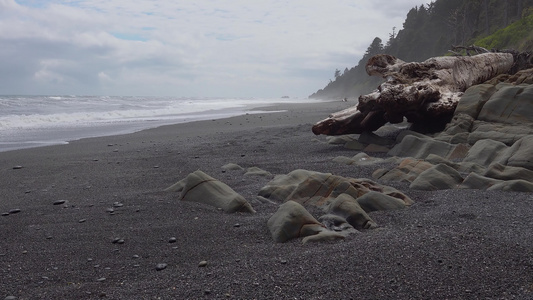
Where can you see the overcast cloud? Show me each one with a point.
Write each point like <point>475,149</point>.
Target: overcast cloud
<point>226,48</point>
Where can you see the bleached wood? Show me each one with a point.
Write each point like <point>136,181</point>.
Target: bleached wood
<point>419,91</point>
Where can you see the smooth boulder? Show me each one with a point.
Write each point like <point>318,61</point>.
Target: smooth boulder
<point>202,188</point>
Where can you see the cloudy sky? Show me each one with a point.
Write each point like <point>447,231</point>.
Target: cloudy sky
<point>226,48</point>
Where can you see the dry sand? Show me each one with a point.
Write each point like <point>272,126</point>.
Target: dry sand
<point>451,244</point>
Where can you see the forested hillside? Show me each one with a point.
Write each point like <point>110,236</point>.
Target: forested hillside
<point>431,30</point>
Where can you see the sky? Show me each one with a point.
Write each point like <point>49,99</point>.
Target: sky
<point>186,48</point>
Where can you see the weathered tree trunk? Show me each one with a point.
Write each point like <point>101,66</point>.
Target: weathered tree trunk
<point>425,93</point>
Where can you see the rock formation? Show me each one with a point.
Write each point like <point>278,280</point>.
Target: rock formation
<point>202,188</point>
<point>424,93</point>
<point>345,202</point>
<point>487,145</point>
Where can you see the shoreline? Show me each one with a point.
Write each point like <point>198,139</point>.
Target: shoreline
<point>65,135</point>
<point>456,244</point>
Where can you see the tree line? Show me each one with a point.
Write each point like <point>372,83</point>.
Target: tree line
<point>431,30</point>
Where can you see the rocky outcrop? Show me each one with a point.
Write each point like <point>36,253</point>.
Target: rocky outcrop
<point>202,188</point>
<point>426,93</point>
<point>343,200</point>
<point>487,145</point>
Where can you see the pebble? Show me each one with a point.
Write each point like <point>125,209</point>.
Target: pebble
<point>59,202</point>
<point>5,214</point>
<point>172,240</point>
<point>17,167</point>
<point>161,266</point>
<point>237,225</point>
<point>101,279</point>
<point>118,241</point>
<point>110,210</point>
<point>117,204</point>
<point>283,261</point>
<point>135,256</point>
<point>82,221</point>
<point>203,263</point>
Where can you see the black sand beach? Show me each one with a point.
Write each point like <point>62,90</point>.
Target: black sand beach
<point>116,223</point>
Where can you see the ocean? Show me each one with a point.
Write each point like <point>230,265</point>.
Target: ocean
<point>34,121</point>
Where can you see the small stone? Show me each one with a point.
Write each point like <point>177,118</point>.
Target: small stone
<point>59,202</point>
<point>161,266</point>
<point>117,204</point>
<point>156,167</point>
<point>17,167</point>
<point>101,279</point>
<point>117,241</point>
<point>172,240</point>
<point>49,237</point>
<point>110,210</point>
<point>5,214</point>
<point>202,264</point>
<point>237,225</point>
<point>82,220</point>
<point>283,261</point>
<point>135,256</point>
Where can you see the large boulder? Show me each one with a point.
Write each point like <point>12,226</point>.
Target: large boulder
<point>292,220</point>
<point>407,171</point>
<point>439,177</point>
<point>521,153</point>
<point>417,147</point>
<point>202,188</point>
<point>511,104</point>
<point>474,98</point>
<point>484,152</point>
<point>347,207</point>
<point>317,189</point>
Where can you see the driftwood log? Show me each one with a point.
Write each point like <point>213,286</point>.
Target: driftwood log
<point>425,93</point>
